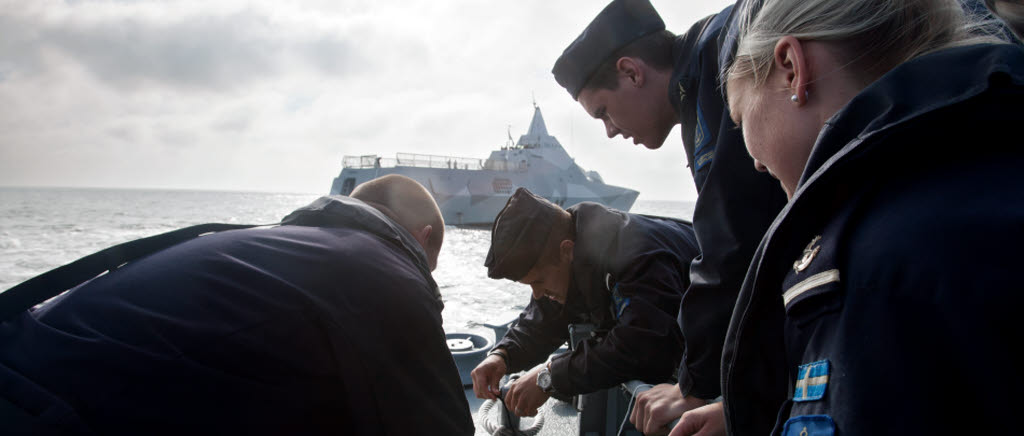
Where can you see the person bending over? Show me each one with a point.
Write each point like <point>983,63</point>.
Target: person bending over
<point>303,328</point>
<point>623,273</point>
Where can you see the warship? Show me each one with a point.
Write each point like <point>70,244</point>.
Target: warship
<point>471,192</point>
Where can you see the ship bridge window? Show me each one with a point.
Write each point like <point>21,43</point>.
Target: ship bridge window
<point>502,186</point>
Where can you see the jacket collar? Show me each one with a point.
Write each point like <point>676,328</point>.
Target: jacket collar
<point>915,88</point>
<point>597,229</point>
<point>348,212</point>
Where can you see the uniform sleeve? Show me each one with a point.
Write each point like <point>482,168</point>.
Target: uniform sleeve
<point>734,208</point>
<point>539,331</point>
<point>392,355</point>
<point>645,343</point>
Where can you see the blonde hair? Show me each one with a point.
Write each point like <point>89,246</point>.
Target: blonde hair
<point>873,35</point>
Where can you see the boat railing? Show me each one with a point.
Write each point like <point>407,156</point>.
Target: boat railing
<point>413,160</point>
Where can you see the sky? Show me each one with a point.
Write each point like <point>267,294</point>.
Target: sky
<point>270,96</point>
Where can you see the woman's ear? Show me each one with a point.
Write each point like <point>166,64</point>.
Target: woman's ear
<point>790,62</point>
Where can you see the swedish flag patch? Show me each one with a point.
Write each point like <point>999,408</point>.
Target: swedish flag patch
<point>811,381</point>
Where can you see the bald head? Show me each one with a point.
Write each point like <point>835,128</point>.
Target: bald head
<point>410,205</point>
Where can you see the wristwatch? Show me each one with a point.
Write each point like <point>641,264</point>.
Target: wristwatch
<point>544,379</point>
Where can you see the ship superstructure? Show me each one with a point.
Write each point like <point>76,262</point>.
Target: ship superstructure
<point>472,191</point>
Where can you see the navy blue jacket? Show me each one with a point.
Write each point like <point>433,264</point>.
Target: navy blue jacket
<point>885,299</point>
<point>735,203</point>
<point>290,330</point>
<point>628,272</point>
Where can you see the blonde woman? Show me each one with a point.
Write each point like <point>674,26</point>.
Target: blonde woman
<point>884,298</point>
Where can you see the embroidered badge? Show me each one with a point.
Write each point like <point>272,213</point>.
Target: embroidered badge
<point>810,425</point>
<point>620,303</point>
<point>809,252</point>
<point>811,381</point>
<point>702,138</point>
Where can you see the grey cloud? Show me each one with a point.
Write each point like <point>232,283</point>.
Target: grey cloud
<point>330,56</point>
<point>176,137</point>
<point>201,52</point>
<point>126,133</point>
<point>235,122</point>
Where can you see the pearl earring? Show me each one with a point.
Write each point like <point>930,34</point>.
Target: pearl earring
<point>794,98</point>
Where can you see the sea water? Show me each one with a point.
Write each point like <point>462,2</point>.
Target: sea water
<point>42,228</point>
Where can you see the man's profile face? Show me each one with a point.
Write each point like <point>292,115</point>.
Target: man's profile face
<point>628,111</point>
<point>549,280</point>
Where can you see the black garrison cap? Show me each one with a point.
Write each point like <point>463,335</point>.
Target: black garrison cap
<point>518,235</point>
<point>620,23</point>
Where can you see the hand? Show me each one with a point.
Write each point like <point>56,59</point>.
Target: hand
<point>486,376</point>
<point>524,396</point>
<point>658,406</point>
<point>702,421</point>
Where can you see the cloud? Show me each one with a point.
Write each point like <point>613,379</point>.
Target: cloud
<point>153,45</point>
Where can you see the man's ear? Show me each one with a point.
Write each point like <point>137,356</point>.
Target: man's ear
<point>632,69</point>
<point>565,250</point>
<point>791,62</point>
<point>423,235</point>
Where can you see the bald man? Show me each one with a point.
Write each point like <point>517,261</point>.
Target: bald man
<point>329,323</point>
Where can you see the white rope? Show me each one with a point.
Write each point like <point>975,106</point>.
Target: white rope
<point>492,427</point>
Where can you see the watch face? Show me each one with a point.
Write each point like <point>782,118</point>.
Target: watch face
<point>544,380</point>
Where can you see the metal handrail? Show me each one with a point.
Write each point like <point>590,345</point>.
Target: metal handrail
<point>413,160</point>
<point>431,161</point>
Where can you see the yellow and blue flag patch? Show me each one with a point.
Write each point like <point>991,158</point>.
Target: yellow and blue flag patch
<point>811,381</point>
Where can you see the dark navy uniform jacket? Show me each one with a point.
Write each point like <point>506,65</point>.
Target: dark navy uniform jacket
<point>735,203</point>
<point>886,297</point>
<point>332,329</point>
<point>628,272</point>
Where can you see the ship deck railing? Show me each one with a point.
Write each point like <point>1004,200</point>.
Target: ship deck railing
<point>428,161</point>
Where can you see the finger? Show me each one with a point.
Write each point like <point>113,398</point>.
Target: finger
<point>480,383</point>
<point>493,387</point>
<point>510,396</point>
<point>477,384</point>
<point>688,425</point>
<point>644,416</point>
<point>656,419</point>
<point>650,425</point>
<point>635,414</point>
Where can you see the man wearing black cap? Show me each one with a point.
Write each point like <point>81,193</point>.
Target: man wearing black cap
<point>589,264</point>
<point>640,80</point>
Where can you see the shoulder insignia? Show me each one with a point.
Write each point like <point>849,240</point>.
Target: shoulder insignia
<point>813,282</point>
<point>809,253</point>
<point>619,302</point>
